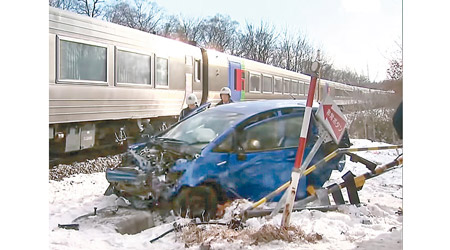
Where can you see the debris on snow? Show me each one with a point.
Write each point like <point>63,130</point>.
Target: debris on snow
<point>382,205</point>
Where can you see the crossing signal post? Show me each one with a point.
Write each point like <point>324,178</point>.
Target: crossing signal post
<point>296,173</point>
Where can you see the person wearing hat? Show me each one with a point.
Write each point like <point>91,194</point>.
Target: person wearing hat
<point>225,96</point>
<point>191,101</point>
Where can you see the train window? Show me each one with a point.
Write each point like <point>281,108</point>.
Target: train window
<point>339,92</point>
<point>81,62</point>
<point>286,86</point>
<point>330,90</point>
<point>162,72</point>
<point>197,70</point>
<point>294,87</point>
<point>133,68</point>
<point>278,85</point>
<point>301,88</point>
<point>255,83</point>
<point>267,84</point>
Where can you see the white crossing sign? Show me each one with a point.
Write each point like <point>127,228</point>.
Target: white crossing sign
<point>331,117</point>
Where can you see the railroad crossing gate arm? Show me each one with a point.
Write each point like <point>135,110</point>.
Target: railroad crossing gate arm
<point>356,158</point>
<point>351,183</point>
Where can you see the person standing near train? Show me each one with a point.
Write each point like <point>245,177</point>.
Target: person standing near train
<point>225,96</point>
<point>191,101</point>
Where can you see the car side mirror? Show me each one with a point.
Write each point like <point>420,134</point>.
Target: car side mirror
<point>240,151</point>
<point>241,156</point>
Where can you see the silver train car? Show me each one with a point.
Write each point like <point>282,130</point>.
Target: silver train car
<point>108,82</point>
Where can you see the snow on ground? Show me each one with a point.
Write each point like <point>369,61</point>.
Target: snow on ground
<point>377,224</point>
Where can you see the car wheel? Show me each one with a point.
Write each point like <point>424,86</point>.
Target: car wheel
<point>197,202</point>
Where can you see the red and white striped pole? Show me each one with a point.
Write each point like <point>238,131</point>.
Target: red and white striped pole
<point>295,175</point>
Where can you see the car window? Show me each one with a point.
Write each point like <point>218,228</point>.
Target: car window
<point>203,127</point>
<point>226,145</point>
<point>258,118</point>
<point>273,133</point>
<point>293,126</point>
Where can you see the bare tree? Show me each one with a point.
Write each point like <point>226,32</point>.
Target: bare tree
<point>120,13</point>
<point>283,52</point>
<point>219,32</point>
<point>395,70</point>
<point>327,68</point>
<point>63,4</point>
<point>169,26</point>
<point>148,15</point>
<point>188,29</point>
<point>92,8</point>
<point>296,54</point>
<point>258,43</point>
<point>304,54</point>
<point>142,15</point>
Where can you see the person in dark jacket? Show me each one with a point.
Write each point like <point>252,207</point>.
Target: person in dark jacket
<point>225,96</point>
<point>191,101</point>
<point>146,130</point>
<point>398,120</point>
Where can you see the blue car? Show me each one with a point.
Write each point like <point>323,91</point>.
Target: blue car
<point>239,150</point>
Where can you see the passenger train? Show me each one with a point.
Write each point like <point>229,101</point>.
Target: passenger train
<point>106,81</point>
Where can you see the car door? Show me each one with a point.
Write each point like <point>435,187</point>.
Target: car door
<point>264,155</point>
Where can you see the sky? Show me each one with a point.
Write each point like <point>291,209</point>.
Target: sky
<point>359,35</point>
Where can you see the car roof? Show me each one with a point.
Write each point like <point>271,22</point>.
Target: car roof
<point>249,108</point>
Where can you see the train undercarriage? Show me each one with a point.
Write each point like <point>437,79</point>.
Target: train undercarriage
<point>79,141</point>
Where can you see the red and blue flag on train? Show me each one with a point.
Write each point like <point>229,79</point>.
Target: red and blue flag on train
<point>236,81</point>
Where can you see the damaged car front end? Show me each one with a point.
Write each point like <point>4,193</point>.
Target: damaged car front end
<point>149,171</point>
<point>144,177</point>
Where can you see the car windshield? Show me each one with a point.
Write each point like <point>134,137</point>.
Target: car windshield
<point>202,128</point>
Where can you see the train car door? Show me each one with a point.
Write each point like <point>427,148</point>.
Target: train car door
<point>235,80</point>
